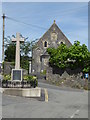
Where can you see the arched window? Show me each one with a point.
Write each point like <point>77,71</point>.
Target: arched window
<point>62,43</point>
<point>45,44</point>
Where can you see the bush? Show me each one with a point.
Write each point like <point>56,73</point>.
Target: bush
<point>32,79</point>
<point>7,77</point>
<point>44,72</point>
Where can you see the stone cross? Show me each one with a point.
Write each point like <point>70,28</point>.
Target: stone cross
<point>18,39</point>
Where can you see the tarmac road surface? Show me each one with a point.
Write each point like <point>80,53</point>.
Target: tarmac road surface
<point>63,103</point>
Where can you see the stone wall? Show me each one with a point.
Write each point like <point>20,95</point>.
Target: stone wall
<point>8,68</point>
<point>69,78</point>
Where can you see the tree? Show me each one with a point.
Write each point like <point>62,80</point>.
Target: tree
<point>80,54</point>
<point>58,56</point>
<point>76,56</point>
<point>9,49</point>
<point>25,49</point>
<point>10,53</point>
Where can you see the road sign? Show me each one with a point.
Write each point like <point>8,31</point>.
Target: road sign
<point>86,75</point>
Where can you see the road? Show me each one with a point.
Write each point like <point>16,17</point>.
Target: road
<point>63,103</point>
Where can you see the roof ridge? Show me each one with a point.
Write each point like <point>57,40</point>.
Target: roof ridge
<point>54,23</point>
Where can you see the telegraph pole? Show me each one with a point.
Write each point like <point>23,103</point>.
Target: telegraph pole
<point>3,37</point>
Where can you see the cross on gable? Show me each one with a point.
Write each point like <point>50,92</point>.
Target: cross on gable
<point>18,38</point>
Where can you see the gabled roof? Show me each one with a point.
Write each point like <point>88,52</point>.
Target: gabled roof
<point>55,28</point>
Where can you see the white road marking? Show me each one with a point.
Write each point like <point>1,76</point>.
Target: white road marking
<point>76,112</point>
<point>46,95</point>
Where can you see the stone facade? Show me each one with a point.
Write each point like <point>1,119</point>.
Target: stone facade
<point>8,67</point>
<point>52,38</point>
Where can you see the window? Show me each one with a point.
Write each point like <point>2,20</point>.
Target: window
<point>45,44</point>
<point>62,43</point>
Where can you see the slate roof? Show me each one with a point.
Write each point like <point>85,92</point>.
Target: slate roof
<point>45,54</point>
<point>61,35</point>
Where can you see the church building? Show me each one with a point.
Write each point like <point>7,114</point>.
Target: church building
<point>52,38</point>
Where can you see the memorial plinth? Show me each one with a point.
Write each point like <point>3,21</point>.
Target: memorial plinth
<point>33,92</point>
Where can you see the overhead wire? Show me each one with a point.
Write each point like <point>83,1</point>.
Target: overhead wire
<point>36,26</point>
<point>25,23</point>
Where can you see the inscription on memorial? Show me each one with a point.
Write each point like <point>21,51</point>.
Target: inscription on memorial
<point>17,75</point>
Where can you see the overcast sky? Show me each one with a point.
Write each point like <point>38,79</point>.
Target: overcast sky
<point>72,19</point>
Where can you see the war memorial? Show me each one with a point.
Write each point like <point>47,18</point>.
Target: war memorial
<point>16,86</point>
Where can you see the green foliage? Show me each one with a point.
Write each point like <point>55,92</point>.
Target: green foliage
<point>24,62</point>
<point>28,77</point>
<point>81,55</point>
<point>25,49</point>
<point>44,72</point>
<point>32,79</point>
<point>13,63</point>
<point>6,77</point>
<point>10,53</point>
<point>2,65</point>
<point>58,56</point>
<point>76,56</point>
<point>86,70</point>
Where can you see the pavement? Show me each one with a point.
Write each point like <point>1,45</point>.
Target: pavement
<point>62,102</point>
